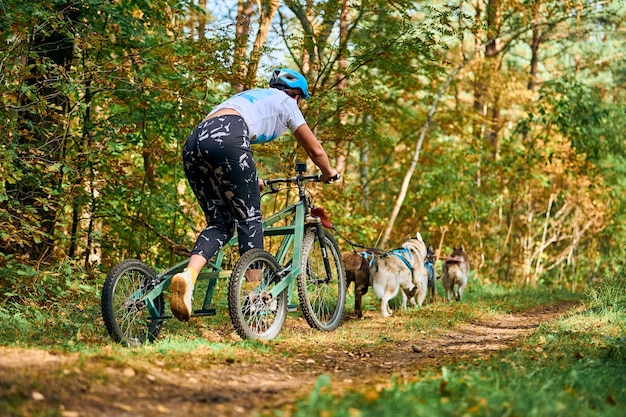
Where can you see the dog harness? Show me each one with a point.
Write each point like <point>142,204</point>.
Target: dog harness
<point>400,253</point>
<point>431,270</point>
<point>368,256</point>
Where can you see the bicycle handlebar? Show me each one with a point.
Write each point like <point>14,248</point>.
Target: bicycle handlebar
<point>300,179</point>
<point>294,180</point>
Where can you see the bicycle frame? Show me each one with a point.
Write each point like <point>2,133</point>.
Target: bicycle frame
<point>261,284</point>
<point>213,271</point>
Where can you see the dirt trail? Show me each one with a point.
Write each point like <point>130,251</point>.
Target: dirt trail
<point>96,386</point>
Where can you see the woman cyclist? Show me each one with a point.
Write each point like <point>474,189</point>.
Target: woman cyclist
<point>221,170</point>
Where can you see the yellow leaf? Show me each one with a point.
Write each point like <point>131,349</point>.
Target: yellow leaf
<point>354,412</point>
<point>371,395</point>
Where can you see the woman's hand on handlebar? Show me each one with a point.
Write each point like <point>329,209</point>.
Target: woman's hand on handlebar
<point>331,177</point>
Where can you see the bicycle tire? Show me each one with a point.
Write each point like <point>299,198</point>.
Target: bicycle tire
<point>322,298</point>
<point>124,311</point>
<point>253,313</point>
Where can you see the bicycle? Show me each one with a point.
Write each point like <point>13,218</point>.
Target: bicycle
<point>261,284</point>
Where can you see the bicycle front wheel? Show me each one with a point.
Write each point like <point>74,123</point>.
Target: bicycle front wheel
<point>254,311</point>
<point>322,293</point>
<point>124,305</point>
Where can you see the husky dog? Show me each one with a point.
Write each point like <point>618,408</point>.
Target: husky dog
<point>401,268</point>
<point>455,273</point>
<point>429,267</point>
<point>357,265</point>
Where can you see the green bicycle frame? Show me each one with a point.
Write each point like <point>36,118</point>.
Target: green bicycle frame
<point>214,271</point>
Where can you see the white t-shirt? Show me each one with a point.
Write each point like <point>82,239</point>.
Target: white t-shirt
<point>268,112</point>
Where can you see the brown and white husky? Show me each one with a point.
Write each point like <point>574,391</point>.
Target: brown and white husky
<point>455,273</point>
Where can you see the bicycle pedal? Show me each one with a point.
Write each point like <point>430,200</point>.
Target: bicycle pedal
<point>196,313</point>
<point>204,313</point>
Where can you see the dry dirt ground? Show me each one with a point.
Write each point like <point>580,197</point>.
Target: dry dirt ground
<point>33,381</point>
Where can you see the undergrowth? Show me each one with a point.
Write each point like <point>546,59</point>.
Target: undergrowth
<point>60,309</point>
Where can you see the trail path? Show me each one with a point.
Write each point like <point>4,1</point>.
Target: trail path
<point>92,386</point>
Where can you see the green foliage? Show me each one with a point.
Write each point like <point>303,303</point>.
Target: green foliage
<point>56,307</point>
<point>97,99</point>
<point>129,95</point>
<point>609,294</point>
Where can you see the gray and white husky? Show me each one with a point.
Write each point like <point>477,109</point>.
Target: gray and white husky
<point>401,268</point>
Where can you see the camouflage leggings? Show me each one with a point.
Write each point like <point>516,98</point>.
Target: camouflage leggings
<point>222,173</point>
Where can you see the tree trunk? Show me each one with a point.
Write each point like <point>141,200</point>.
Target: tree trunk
<point>266,14</point>
<point>492,52</point>
<point>534,48</point>
<point>245,12</point>
<point>245,65</point>
<point>342,67</point>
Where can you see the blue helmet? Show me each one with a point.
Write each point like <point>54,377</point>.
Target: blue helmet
<point>288,78</point>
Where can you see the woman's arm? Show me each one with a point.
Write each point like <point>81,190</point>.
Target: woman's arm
<point>306,138</point>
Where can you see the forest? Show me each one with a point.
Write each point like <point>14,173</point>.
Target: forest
<point>496,125</point>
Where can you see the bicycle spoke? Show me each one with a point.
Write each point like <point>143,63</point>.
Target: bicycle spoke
<point>254,311</point>
<point>322,295</point>
<point>123,308</point>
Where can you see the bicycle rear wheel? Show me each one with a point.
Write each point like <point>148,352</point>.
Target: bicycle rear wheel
<point>124,306</point>
<point>255,314</point>
<point>322,295</point>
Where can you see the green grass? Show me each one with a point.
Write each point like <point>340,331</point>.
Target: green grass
<point>573,367</point>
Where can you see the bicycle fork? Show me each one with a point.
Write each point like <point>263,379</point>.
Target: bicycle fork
<point>319,230</point>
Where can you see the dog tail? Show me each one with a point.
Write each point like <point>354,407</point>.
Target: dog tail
<point>376,288</point>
